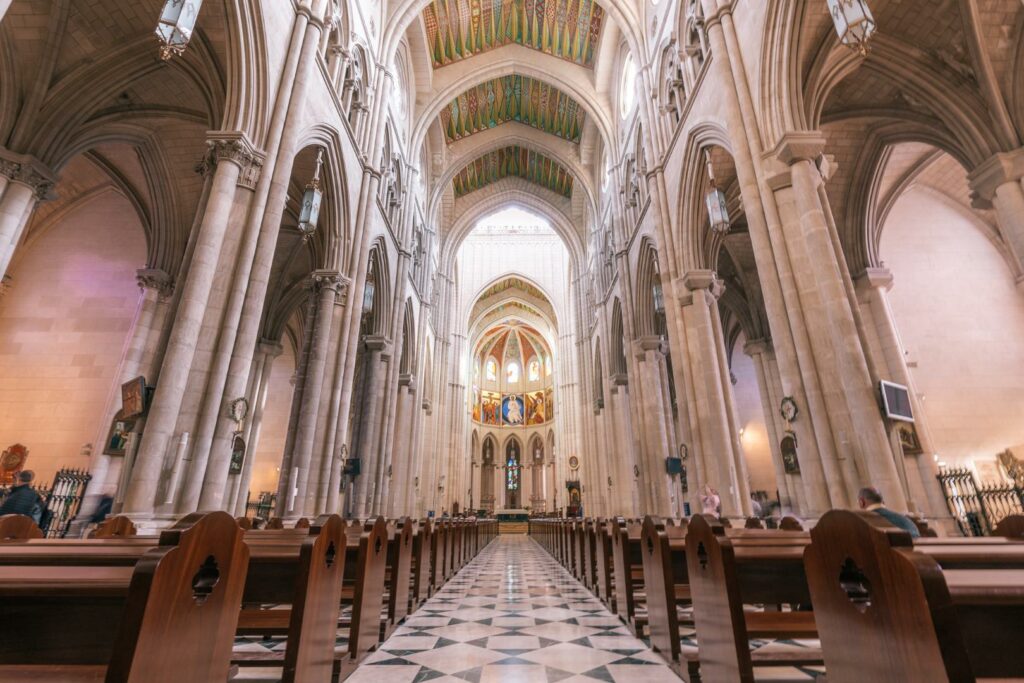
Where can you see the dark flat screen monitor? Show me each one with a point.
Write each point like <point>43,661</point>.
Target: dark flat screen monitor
<point>896,401</point>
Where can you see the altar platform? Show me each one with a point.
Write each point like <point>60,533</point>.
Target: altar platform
<point>512,521</point>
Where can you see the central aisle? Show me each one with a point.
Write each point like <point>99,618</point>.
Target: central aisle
<point>513,614</point>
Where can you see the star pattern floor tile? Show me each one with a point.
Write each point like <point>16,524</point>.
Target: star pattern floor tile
<point>513,614</point>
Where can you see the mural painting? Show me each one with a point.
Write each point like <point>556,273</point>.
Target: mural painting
<point>549,404</point>
<point>490,408</point>
<point>476,404</point>
<point>536,408</point>
<point>513,410</point>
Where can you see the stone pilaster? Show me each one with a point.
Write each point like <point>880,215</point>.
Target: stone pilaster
<point>24,181</point>
<point>999,183</point>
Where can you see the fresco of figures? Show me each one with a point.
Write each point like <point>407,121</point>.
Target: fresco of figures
<point>513,410</point>
<point>536,408</point>
<point>490,408</point>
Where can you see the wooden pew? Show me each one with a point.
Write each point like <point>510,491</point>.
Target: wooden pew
<point>310,581</point>
<point>887,612</point>
<point>168,617</point>
<point>399,574</point>
<point>279,561</point>
<point>723,577</point>
<point>603,564</point>
<point>18,528</point>
<point>630,599</point>
<point>421,573</point>
<point>114,527</point>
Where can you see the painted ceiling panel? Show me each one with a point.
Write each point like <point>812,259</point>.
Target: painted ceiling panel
<point>514,162</point>
<point>513,98</point>
<point>458,29</point>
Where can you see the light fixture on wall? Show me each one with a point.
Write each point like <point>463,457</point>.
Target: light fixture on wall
<point>718,212</point>
<point>311,201</point>
<point>175,26</point>
<point>854,23</point>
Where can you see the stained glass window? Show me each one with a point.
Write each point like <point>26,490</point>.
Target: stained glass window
<point>512,370</point>
<point>534,370</point>
<point>492,370</point>
<point>513,475</point>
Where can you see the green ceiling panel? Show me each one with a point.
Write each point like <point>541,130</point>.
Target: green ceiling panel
<point>514,162</point>
<point>513,98</point>
<point>458,29</point>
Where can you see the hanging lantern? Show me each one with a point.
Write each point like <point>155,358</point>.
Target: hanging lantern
<point>854,23</point>
<point>311,201</point>
<point>659,298</point>
<point>177,21</point>
<point>368,297</point>
<point>718,212</point>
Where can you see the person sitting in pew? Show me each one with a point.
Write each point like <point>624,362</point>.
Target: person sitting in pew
<point>23,500</point>
<point>871,500</point>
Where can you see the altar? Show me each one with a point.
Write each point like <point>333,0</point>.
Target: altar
<point>512,515</point>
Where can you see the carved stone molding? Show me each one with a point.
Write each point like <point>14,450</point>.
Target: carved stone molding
<point>330,279</point>
<point>1002,168</point>
<point>157,280</point>
<point>235,147</point>
<point>698,280</point>
<point>27,170</point>
<point>6,285</point>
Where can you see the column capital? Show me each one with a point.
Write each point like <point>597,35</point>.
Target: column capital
<point>269,348</point>
<point>233,146</point>
<point>329,279</point>
<point>702,279</point>
<point>1005,167</point>
<point>376,342</point>
<point>875,278</point>
<point>27,170</point>
<point>652,342</point>
<point>156,279</point>
<point>798,146</point>
<point>6,285</point>
<point>757,347</point>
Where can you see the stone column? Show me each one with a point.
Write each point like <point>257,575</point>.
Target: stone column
<point>863,453</point>
<point>156,288</point>
<point>999,183</point>
<point>266,353</point>
<point>758,350</point>
<point>23,182</point>
<point>378,350</point>
<point>228,378</point>
<point>326,286</point>
<point>655,410</point>
<point>714,432</point>
<point>235,161</point>
<point>873,286</point>
<point>401,456</point>
<point>4,6</point>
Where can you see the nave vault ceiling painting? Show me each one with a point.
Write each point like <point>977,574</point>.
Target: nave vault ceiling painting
<point>458,29</point>
<point>514,162</point>
<point>513,98</point>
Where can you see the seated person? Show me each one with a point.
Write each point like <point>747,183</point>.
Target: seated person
<point>871,500</point>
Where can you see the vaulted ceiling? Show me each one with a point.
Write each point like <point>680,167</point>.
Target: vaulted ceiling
<point>513,98</point>
<point>514,162</point>
<point>458,29</point>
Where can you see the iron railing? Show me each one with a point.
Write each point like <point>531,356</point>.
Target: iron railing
<point>61,500</point>
<point>978,509</point>
<point>262,507</point>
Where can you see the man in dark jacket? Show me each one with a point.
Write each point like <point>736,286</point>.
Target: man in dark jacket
<point>871,500</point>
<point>22,500</point>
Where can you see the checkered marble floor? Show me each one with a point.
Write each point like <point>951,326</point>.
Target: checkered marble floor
<point>513,614</point>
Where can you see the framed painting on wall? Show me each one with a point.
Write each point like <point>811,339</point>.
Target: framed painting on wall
<point>117,437</point>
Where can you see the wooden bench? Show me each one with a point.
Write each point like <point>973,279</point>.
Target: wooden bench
<point>630,597</point>
<point>168,617</point>
<point>18,528</point>
<point>114,527</point>
<point>888,611</point>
